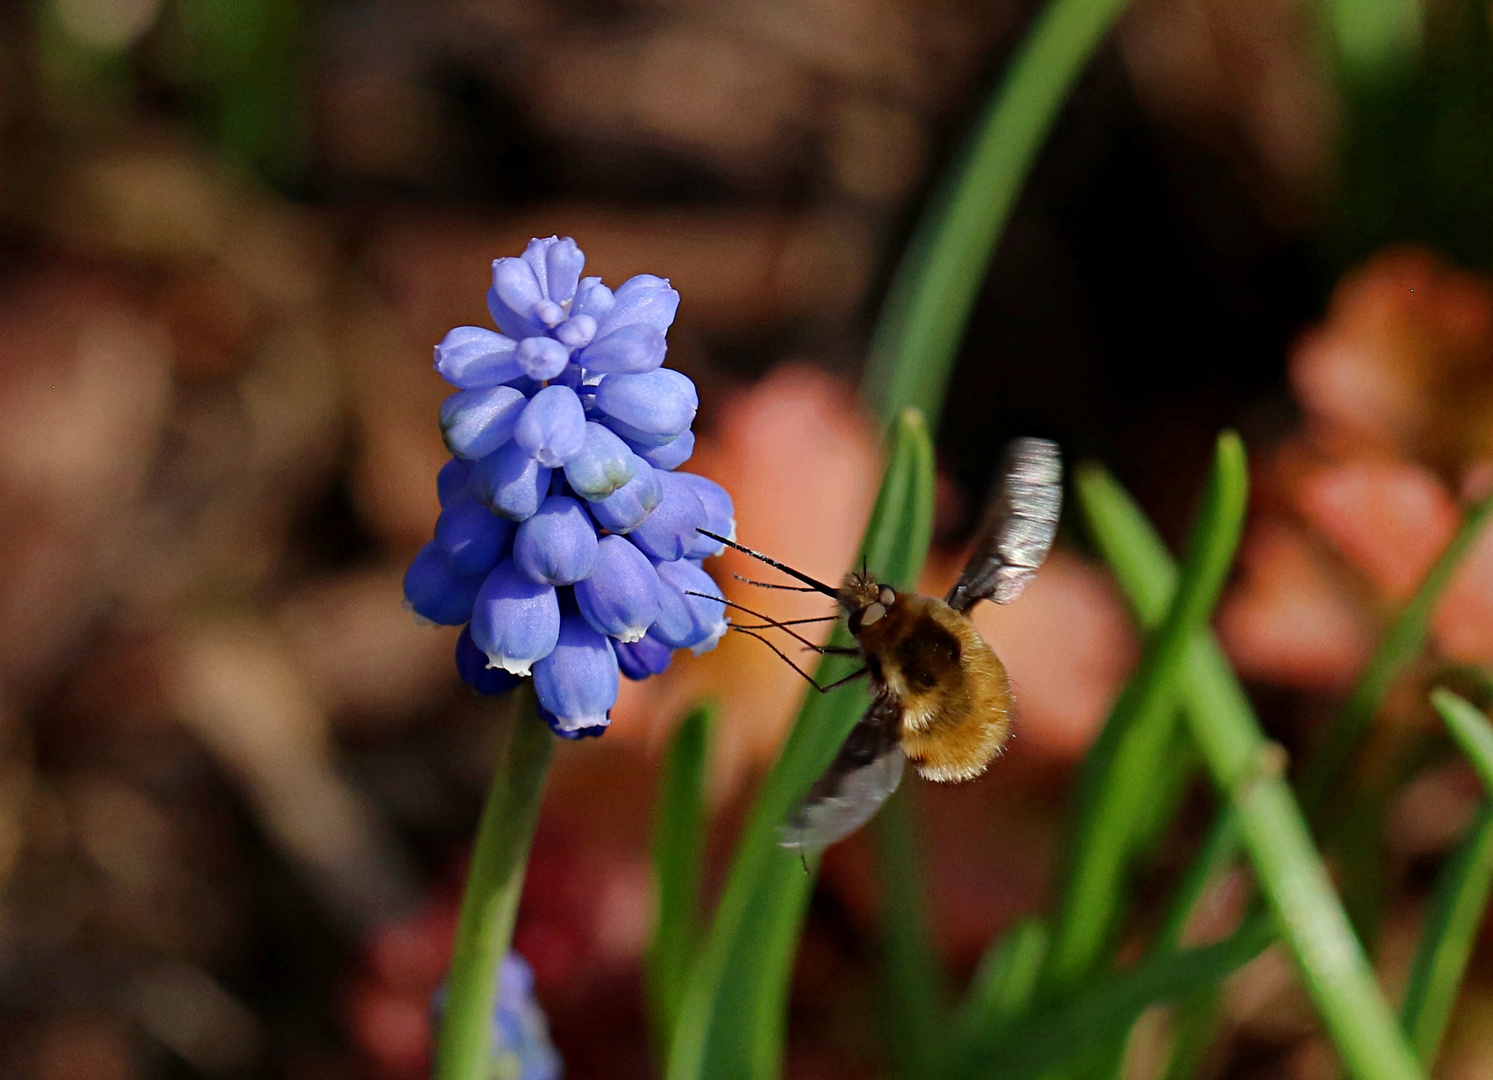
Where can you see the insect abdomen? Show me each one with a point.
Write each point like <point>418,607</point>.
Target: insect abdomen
<point>953,729</point>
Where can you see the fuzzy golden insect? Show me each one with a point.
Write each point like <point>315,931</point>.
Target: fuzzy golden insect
<point>940,696</point>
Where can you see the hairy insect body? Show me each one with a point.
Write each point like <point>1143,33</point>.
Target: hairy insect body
<point>955,698</point>
<point>939,696</point>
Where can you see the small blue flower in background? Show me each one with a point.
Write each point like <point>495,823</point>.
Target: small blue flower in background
<point>521,1047</point>
<point>567,542</point>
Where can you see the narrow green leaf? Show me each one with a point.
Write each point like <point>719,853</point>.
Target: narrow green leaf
<point>926,310</point>
<point>1110,1005</point>
<point>1247,771</point>
<point>1450,930</point>
<point>679,829</point>
<point>1461,896</point>
<point>1399,648</point>
<point>1117,783</point>
<point>1195,1024</point>
<point>490,901</point>
<point>1470,729</point>
<point>1196,1019</point>
<point>1004,984</point>
<point>1127,542</point>
<point>1376,39</point>
<point>915,991</point>
<point>730,1026</point>
<point>1219,849</point>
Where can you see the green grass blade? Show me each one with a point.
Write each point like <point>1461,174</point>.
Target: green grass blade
<point>1194,1027</point>
<point>1196,1020</point>
<point>1004,983</point>
<point>928,305</point>
<point>1461,895</point>
<point>1376,39</point>
<point>730,1025</point>
<point>679,830</point>
<point>1219,849</point>
<point>1246,770</point>
<point>916,998</point>
<point>1117,783</point>
<point>1127,543</point>
<point>1471,730</point>
<point>1456,910</point>
<point>1108,1008</point>
<point>1399,648</point>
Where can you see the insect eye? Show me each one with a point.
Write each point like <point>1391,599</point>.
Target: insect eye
<point>888,597</point>
<point>871,614</point>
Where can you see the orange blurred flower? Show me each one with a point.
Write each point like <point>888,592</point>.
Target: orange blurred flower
<point>1397,391</point>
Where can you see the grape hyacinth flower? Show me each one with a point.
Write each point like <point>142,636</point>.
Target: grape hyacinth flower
<point>568,542</point>
<point>520,1048</point>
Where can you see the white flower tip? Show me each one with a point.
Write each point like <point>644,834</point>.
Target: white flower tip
<point>712,641</point>
<point>576,723</point>
<point>632,634</point>
<point>420,620</point>
<point>509,664</point>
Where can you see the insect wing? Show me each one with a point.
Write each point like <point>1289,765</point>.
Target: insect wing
<point>865,772</point>
<point>1018,528</point>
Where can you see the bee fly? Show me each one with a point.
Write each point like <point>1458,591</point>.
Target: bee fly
<point>940,696</point>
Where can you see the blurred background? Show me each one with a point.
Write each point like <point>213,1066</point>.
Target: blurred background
<point>238,783</point>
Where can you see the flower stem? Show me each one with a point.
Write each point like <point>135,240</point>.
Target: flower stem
<point>490,902</point>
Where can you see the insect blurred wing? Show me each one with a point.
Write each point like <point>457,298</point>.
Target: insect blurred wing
<point>865,772</point>
<point>1018,527</point>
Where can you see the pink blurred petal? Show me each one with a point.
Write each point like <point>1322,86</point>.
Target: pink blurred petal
<point>1068,646</point>
<point>1463,620</point>
<point>1401,361</point>
<point>1391,519</point>
<point>1290,620</point>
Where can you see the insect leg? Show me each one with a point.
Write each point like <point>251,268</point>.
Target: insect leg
<point>848,678</point>
<point>793,622</point>
<point>784,657</point>
<point>758,615</point>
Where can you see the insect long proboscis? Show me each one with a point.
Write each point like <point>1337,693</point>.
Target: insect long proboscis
<point>817,585</point>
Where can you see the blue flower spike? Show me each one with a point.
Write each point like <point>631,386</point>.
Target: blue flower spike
<point>621,598</point>
<point>453,480</point>
<point>577,682</point>
<point>652,408</point>
<point>437,593</point>
<point>552,427</point>
<point>670,455</point>
<point>515,620</point>
<point>629,506</point>
<point>557,546</point>
<point>640,659</point>
<point>474,423</point>
<point>603,464</point>
<point>696,616</point>
<point>673,528</point>
<point>471,358</point>
<point>568,543</point>
<point>510,482</point>
<point>470,536</point>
